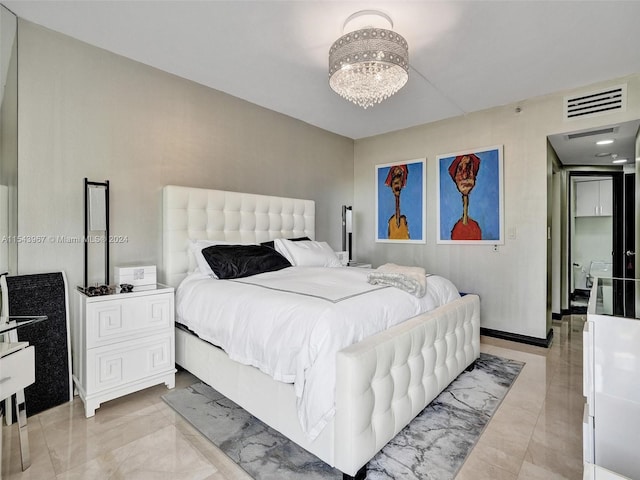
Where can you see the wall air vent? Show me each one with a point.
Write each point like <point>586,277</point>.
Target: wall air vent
<point>591,133</point>
<point>610,100</point>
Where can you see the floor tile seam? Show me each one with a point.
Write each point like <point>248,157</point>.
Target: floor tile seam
<point>528,451</point>
<point>535,426</point>
<point>559,468</point>
<point>548,390</point>
<point>551,437</point>
<point>515,347</point>
<point>226,467</point>
<point>552,376</point>
<point>516,408</point>
<point>46,446</point>
<point>92,437</point>
<point>517,355</point>
<point>148,406</point>
<point>84,464</point>
<point>518,457</point>
<point>491,464</point>
<point>130,452</point>
<point>194,446</point>
<point>50,451</point>
<point>557,475</point>
<point>131,417</point>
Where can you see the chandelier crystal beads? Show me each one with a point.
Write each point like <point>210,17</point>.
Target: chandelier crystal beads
<point>368,65</point>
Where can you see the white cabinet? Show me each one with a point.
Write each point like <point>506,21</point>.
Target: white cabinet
<point>594,198</point>
<point>17,368</point>
<point>123,343</point>
<point>611,369</point>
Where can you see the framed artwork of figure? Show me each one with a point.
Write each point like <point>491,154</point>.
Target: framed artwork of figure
<point>400,202</point>
<point>470,197</point>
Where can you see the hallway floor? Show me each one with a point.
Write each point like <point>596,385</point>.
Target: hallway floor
<point>535,434</point>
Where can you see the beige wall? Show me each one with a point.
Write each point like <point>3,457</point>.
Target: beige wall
<point>512,282</point>
<point>85,112</point>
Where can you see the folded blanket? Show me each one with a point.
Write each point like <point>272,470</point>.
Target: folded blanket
<point>410,279</point>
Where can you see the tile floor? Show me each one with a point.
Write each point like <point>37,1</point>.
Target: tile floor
<point>535,434</point>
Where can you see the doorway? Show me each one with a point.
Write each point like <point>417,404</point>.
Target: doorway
<point>596,229</point>
<point>578,157</point>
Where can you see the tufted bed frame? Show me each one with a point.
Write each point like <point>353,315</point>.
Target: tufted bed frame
<point>383,382</point>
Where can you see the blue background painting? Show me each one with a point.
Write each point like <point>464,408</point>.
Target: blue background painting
<point>411,201</point>
<point>484,199</point>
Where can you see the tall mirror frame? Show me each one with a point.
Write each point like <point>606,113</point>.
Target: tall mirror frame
<point>8,142</point>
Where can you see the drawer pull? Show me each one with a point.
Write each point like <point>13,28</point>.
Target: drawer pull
<point>5,379</point>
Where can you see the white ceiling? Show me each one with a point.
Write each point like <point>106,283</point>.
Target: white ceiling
<point>580,147</point>
<point>465,56</point>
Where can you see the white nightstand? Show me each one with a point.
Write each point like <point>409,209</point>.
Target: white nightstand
<point>122,343</point>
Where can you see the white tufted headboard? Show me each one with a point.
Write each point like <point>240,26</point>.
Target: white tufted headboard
<point>198,213</point>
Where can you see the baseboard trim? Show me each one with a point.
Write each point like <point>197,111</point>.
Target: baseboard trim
<point>516,337</point>
<point>566,311</point>
<point>556,316</point>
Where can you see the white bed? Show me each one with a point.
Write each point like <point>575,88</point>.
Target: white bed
<point>381,383</point>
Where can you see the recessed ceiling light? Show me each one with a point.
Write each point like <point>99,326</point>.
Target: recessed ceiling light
<point>603,154</point>
<point>620,160</point>
<point>604,142</point>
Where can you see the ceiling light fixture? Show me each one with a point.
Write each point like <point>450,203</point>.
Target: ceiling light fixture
<point>368,64</point>
<point>604,142</point>
<point>615,159</point>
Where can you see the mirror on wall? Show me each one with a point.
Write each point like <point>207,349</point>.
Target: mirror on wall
<point>8,141</point>
<point>595,210</point>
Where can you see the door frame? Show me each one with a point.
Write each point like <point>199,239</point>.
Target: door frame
<point>617,234</point>
<point>630,240</point>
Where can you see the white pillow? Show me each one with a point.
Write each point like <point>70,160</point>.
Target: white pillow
<point>281,248</point>
<point>196,247</point>
<point>307,253</point>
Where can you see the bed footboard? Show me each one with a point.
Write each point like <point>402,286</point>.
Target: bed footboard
<point>386,380</point>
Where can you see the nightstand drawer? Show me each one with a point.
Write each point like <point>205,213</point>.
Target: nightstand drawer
<point>113,321</point>
<point>17,371</point>
<point>115,365</point>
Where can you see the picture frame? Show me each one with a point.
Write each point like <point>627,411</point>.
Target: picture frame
<point>401,202</point>
<point>476,174</point>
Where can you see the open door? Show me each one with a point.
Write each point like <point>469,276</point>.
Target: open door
<point>631,290</point>
<point>630,243</point>
<point>634,296</point>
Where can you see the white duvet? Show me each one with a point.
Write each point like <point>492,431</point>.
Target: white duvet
<point>291,323</point>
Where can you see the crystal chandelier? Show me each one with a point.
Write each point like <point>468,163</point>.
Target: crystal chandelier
<point>368,64</point>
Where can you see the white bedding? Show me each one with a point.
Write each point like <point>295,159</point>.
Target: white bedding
<point>291,323</point>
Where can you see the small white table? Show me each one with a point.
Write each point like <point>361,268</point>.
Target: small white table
<point>122,343</point>
<point>17,371</point>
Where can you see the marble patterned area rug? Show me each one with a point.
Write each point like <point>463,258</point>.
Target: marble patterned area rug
<point>432,447</point>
